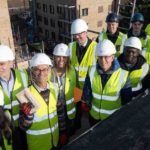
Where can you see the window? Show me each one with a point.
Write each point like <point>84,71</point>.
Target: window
<point>52,22</point>
<point>59,9</point>
<point>46,33</point>
<point>59,24</point>
<point>100,9</point>
<point>40,30</point>
<point>85,12</point>
<point>38,5</point>
<point>51,9</point>
<point>109,8</point>
<point>44,8</point>
<point>39,18</point>
<point>45,21</point>
<point>99,23</point>
<point>53,36</point>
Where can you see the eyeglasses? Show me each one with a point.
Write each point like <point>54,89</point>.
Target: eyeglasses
<point>79,34</point>
<point>45,70</point>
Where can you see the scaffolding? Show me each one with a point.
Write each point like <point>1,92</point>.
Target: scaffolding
<point>122,5</point>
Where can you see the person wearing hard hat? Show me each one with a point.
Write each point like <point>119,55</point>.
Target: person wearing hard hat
<point>5,131</point>
<point>66,79</point>
<point>132,61</point>
<point>136,30</point>
<point>107,86</point>
<point>41,127</point>
<point>82,55</point>
<point>82,50</point>
<point>11,82</point>
<point>113,34</point>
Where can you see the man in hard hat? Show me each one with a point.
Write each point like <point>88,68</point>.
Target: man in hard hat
<point>66,79</point>
<point>113,33</point>
<point>41,127</point>
<point>107,86</point>
<point>137,31</point>
<point>82,54</point>
<point>132,61</point>
<point>11,82</point>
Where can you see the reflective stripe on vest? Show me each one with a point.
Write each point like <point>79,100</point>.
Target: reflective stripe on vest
<point>109,112</point>
<point>44,131</point>
<point>113,102</point>
<point>144,71</point>
<point>89,59</point>
<point>39,119</point>
<point>12,103</point>
<point>45,121</point>
<point>70,84</point>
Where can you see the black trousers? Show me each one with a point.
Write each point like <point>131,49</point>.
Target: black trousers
<point>19,139</point>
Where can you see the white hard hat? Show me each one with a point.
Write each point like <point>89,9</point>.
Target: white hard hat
<point>6,53</point>
<point>105,48</point>
<point>133,42</point>
<point>61,50</point>
<point>78,26</point>
<point>1,98</point>
<point>40,59</point>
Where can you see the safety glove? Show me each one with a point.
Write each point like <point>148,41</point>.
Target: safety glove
<point>26,108</point>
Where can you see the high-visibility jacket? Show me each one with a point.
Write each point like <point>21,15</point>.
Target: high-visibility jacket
<point>7,147</point>
<point>44,133</point>
<point>11,103</point>
<point>147,29</point>
<point>88,60</point>
<point>146,48</point>
<point>119,42</point>
<point>106,100</point>
<point>136,76</point>
<point>70,84</point>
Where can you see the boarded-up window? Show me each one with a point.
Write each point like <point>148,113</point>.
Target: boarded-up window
<point>100,9</point>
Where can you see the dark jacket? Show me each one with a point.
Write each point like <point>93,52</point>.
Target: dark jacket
<point>126,92</point>
<point>141,60</point>
<point>143,34</point>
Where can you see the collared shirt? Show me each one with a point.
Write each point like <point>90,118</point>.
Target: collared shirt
<point>8,85</point>
<point>44,92</point>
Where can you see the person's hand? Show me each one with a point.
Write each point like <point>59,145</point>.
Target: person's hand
<point>26,108</point>
<point>85,107</point>
<point>63,138</point>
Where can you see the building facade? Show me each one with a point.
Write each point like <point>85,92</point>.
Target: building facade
<point>17,6</point>
<point>54,17</point>
<point>5,26</point>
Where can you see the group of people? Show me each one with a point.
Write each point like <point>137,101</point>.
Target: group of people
<point>108,73</point>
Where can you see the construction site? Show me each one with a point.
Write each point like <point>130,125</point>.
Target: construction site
<point>17,34</point>
<point>37,26</point>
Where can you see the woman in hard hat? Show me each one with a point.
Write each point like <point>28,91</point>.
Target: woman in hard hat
<point>12,81</point>
<point>132,61</point>
<point>66,79</point>
<point>41,127</point>
<point>5,125</point>
<point>107,86</point>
